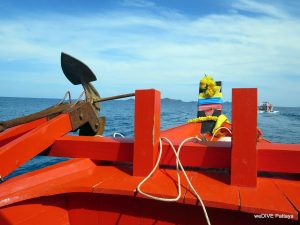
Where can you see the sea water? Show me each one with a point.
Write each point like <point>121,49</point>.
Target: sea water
<point>281,127</point>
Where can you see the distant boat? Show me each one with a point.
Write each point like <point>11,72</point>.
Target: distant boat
<point>266,107</point>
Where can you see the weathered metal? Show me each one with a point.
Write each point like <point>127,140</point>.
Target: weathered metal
<point>85,118</point>
<point>80,114</point>
<point>115,97</point>
<point>79,73</point>
<point>49,113</point>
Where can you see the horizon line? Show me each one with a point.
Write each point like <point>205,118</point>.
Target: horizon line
<point>131,98</point>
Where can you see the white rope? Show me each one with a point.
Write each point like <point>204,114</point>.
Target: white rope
<point>68,93</point>
<point>178,165</point>
<point>78,99</point>
<point>217,130</point>
<point>118,134</point>
<point>114,135</point>
<point>151,173</point>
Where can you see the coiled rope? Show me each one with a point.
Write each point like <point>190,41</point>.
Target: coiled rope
<point>178,165</point>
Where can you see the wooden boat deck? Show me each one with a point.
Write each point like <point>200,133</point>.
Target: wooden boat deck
<point>271,196</point>
<point>78,184</point>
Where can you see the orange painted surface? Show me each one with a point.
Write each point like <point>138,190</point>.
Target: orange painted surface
<point>15,132</point>
<point>195,154</point>
<point>111,209</point>
<point>82,175</point>
<point>96,148</point>
<point>45,211</point>
<point>278,157</point>
<point>266,198</point>
<point>59,178</point>
<point>80,191</point>
<point>270,157</point>
<point>183,131</point>
<point>214,190</point>
<point>290,189</point>
<point>146,130</point>
<point>207,155</point>
<point>20,150</point>
<point>99,209</point>
<point>244,123</point>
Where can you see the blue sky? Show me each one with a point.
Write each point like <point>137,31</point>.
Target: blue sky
<point>168,45</point>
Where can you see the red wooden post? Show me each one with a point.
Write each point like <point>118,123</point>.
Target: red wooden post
<point>244,123</point>
<point>146,131</point>
<point>15,132</point>
<point>25,147</point>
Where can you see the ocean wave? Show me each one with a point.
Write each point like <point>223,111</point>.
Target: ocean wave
<point>292,115</point>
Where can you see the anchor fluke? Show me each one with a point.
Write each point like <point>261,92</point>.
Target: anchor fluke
<point>76,71</point>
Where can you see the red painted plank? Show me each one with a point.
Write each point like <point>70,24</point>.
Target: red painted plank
<point>195,154</point>
<point>244,123</point>
<point>211,186</point>
<point>96,209</point>
<point>59,178</point>
<point>183,131</point>
<point>291,189</point>
<point>206,155</point>
<point>266,198</point>
<point>15,132</point>
<point>214,189</point>
<point>83,176</point>
<point>45,210</point>
<point>96,148</point>
<point>32,143</point>
<point>119,181</point>
<point>278,157</point>
<point>146,130</point>
<point>271,157</point>
<point>121,210</point>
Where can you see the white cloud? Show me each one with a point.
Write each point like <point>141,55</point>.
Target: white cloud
<point>138,3</point>
<point>167,51</point>
<point>260,7</point>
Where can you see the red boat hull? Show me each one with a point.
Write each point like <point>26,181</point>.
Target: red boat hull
<point>100,186</point>
<point>96,209</point>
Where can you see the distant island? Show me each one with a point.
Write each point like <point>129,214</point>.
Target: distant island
<point>171,100</point>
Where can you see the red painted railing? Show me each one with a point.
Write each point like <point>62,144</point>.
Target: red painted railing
<point>244,158</point>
